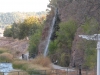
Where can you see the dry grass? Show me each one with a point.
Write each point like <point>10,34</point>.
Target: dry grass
<point>18,73</point>
<point>39,63</point>
<point>6,57</point>
<point>21,64</point>
<point>2,50</point>
<point>41,60</point>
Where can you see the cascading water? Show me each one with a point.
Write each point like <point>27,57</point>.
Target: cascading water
<point>50,32</point>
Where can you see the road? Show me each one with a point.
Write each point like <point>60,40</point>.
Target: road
<point>62,68</point>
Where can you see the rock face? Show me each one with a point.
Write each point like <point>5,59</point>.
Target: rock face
<point>78,10</point>
<point>47,30</point>
<point>45,35</point>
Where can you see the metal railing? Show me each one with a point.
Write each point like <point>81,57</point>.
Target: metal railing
<point>62,71</point>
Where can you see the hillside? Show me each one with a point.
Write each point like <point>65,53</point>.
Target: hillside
<point>16,47</point>
<point>11,17</point>
<point>86,15</point>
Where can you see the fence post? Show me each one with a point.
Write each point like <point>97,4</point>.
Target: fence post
<point>56,72</point>
<point>80,70</point>
<point>86,72</point>
<point>3,73</point>
<point>67,70</point>
<point>45,72</point>
<point>18,72</point>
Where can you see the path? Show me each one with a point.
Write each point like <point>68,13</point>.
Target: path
<point>62,68</point>
<point>53,65</point>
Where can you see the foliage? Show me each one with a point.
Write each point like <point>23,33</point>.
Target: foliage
<point>60,49</point>
<point>20,64</point>
<point>90,27</point>
<point>33,43</point>
<point>32,28</point>
<point>11,17</point>
<point>15,30</point>
<point>41,60</point>
<point>62,59</point>
<point>36,32</point>
<point>89,49</point>
<point>8,32</point>
<point>39,63</point>
<point>66,33</point>
<point>53,2</point>
<point>26,28</point>
<point>53,47</point>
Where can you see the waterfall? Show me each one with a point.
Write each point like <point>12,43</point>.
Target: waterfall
<point>50,32</point>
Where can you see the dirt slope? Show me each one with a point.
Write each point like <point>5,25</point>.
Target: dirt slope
<point>17,47</point>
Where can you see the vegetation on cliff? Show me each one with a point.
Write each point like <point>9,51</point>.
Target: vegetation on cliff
<point>90,27</point>
<point>60,48</point>
<point>79,50</point>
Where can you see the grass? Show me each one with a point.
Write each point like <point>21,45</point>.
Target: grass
<point>18,73</point>
<point>33,65</point>
<point>38,66</point>
<point>5,55</point>
<point>2,50</point>
<point>20,64</point>
<point>41,60</point>
<point>39,63</point>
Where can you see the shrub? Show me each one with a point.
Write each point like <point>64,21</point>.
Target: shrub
<point>21,64</point>
<point>41,60</point>
<point>6,57</point>
<point>39,63</point>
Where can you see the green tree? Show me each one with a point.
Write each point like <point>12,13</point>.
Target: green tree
<point>8,32</point>
<point>15,30</point>
<point>36,32</point>
<point>90,27</point>
<point>26,28</point>
<point>34,42</point>
<point>66,34</point>
<point>61,47</point>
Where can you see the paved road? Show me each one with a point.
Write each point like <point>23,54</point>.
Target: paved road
<point>62,68</point>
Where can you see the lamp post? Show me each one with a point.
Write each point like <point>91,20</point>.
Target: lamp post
<point>97,38</point>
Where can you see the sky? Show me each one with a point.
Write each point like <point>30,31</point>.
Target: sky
<point>23,5</point>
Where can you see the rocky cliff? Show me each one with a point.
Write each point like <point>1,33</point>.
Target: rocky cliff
<point>79,11</point>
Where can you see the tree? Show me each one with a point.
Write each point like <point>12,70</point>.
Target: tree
<point>90,27</point>
<point>26,28</point>
<point>61,47</point>
<point>15,30</point>
<point>33,43</point>
<point>8,32</point>
<point>35,32</point>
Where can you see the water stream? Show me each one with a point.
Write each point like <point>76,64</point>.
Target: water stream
<point>50,32</point>
<point>6,68</point>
